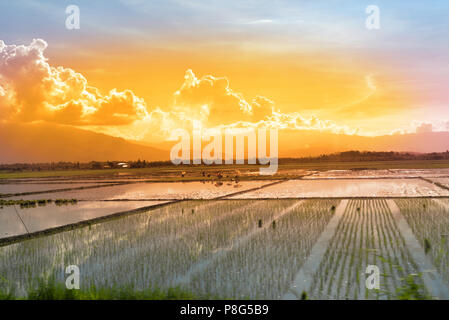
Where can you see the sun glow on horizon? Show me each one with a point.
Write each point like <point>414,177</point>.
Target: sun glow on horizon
<point>297,69</point>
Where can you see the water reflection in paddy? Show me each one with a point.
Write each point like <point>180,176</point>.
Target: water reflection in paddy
<point>160,190</point>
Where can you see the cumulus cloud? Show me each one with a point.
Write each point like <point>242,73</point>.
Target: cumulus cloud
<point>31,89</point>
<point>424,127</point>
<point>261,108</point>
<point>431,126</point>
<point>397,132</point>
<point>297,122</point>
<point>212,100</point>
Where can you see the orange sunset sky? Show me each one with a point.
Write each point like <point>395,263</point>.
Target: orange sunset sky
<point>141,69</point>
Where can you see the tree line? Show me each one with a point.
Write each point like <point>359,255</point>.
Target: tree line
<point>347,156</point>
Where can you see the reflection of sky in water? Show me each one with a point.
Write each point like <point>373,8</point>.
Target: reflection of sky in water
<point>160,190</point>
<point>51,215</point>
<point>348,188</point>
<point>10,224</point>
<point>391,173</point>
<point>443,181</point>
<point>34,187</point>
<point>131,249</point>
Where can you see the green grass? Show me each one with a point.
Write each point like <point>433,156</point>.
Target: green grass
<point>168,174</point>
<point>412,289</point>
<point>50,290</point>
<point>65,173</point>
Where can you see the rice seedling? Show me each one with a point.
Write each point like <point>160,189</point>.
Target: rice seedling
<point>149,250</point>
<point>63,202</point>
<point>32,203</point>
<point>9,189</point>
<point>427,246</point>
<point>229,248</point>
<point>365,235</point>
<point>429,221</point>
<point>49,289</point>
<point>411,289</point>
<point>264,266</point>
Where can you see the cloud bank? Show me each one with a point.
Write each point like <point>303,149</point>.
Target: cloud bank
<point>31,89</point>
<point>210,100</point>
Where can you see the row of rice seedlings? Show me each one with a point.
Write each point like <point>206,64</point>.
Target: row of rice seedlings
<point>33,203</point>
<point>81,246</point>
<point>264,266</point>
<point>148,250</point>
<point>64,202</point>
<point>429,221</point>
<point>366,235</point>
<point>324,275</point>
<point>394,259</point>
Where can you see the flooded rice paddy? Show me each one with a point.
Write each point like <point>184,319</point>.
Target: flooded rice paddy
<point>348,188</point>
<point>17,188</point>
<point>240,248</point>
<point>15,220</point>
<point>250,247</point>
<point>157,190</point>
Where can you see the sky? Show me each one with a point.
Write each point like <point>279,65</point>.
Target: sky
<point>140,69</point>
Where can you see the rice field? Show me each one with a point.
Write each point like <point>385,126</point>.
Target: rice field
<point>359,174</point>
<point>263,266</point>
<point>154,191</point>
<point>366,235</point>
<point>441,172</point>
<point>181,245</point>
<point>348,188</point>
<point>18,220</point>
<point>380,173</point>
<point>237,247</point>
<point>19,188</point>
<point>429,220</point>
<point>442,181</point>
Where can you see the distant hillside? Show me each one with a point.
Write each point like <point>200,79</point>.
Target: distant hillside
<point>310,143</point>
<point>49,142</point>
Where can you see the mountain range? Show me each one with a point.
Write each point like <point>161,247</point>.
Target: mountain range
<point>45,142</point>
